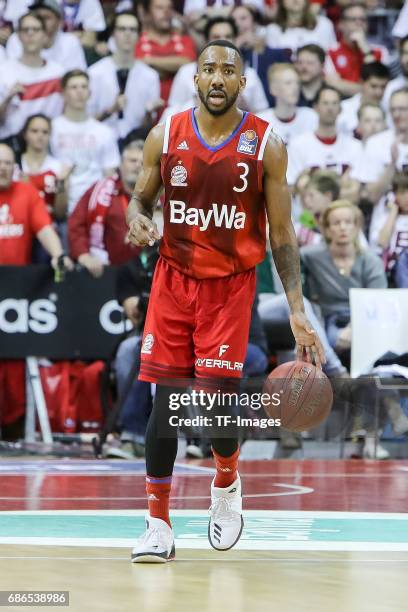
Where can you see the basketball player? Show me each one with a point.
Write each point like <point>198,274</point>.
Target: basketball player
<point>221,169</point>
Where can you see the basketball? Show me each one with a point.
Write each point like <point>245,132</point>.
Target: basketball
<point>306,395</point>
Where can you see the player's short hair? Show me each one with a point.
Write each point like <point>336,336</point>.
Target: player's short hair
<point>71,74</point>
<point>315,49</point>
<point>325,181</point>
<point>400,182</point>
<point>275,69</point>
<point>369,105</point>
<point>221,43</point>
<point>32,14</point>
<point>215,20</point>
<point>124,14</point>
<point>375,69</point>
<point>326,88</point>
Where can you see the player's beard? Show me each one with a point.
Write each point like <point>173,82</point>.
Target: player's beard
<point>229,101</point>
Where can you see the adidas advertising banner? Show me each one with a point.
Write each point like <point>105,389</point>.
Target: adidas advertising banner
<point>78,318</point>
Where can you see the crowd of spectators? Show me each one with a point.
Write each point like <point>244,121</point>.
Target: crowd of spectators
<point>83,81</point>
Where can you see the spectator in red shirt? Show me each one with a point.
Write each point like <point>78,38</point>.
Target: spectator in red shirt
<point>23,215</point>
<point>97,229</point>
<point>344,62</point>
<point>160,46</point>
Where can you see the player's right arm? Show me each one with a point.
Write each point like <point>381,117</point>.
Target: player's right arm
<point>142,230</point>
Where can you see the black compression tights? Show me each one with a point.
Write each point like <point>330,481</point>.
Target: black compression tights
<point>161,441</point>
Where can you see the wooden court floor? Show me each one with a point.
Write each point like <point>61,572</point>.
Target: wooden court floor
<point>205,581</point>
<point>319,535</point>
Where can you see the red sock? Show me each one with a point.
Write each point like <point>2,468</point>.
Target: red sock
<point>226,469</point>
<point>158,497</point>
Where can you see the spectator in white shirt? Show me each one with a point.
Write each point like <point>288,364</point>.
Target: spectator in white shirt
<point>182,93</point>
<point>31,84</point>
<point>297,25</point>
<point>401,80</point>
<point>375,77</point>
<point>326,147</point>
<point>44,171</point>
<point>287,119</point>
<point>385,152</point>
<point>309,64</point>
<point>81,142</point>
<point>124,91</point>
<point>61,47</point>
<point>85,18</point>
<point>389,230</point>
<point>400,29</point>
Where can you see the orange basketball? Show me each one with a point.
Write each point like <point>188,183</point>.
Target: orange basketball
<point>306,395</point>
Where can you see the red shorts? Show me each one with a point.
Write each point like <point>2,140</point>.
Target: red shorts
<point>196,327</point>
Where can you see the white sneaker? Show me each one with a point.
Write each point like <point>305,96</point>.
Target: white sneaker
<point>193,451</point>
<point>157,543</point>
<point>369,451</point>
<point>226,522</point>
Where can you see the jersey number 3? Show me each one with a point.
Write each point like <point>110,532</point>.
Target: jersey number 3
<point>242,177</point>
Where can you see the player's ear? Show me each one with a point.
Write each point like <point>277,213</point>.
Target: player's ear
<point>242,83</point>
<point>196,82</point>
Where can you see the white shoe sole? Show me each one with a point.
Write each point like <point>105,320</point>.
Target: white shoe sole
<point>152,558</point>
<point>232,545</point>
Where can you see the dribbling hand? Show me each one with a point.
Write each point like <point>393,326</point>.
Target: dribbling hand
<point>307,340</point>
<point>142,231</point>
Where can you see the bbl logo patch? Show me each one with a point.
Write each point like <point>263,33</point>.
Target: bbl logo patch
<point>248,142</point>
<point>178,176</point>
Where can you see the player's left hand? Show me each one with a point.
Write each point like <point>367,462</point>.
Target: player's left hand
<point>307,340</point>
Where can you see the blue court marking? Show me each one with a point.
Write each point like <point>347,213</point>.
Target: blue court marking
<point>264,530</point>
<point>93,467</point>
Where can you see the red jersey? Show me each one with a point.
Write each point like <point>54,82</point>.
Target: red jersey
<point>46,180</point>
<point>178,44</point>
<point>348,61</point>
<point>214,205</point>
<point>22,215</point>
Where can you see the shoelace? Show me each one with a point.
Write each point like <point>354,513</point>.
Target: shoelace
<point>154,537</point>
<point>221,510</point>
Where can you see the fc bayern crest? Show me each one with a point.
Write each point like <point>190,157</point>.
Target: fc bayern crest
<point>248,142</point>
<point>178,177</point>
